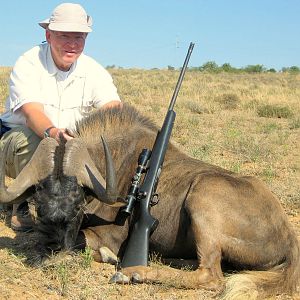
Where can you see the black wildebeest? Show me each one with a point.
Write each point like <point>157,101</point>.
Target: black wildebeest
<point>205,212</point>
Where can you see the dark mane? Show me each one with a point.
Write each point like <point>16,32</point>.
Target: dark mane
<point>113,122</point>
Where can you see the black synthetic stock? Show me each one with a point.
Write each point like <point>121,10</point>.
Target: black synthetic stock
<point>137,248</point>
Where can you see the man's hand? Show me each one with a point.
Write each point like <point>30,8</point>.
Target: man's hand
<point>38,121</point>
<point>56,132</point>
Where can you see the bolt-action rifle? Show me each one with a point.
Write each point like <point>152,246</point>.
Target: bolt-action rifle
<point>149,165</point>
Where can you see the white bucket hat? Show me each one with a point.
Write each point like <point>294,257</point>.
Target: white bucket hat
<point>68,17</point>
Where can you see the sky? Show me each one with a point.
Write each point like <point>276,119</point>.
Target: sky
<point>156,33</point>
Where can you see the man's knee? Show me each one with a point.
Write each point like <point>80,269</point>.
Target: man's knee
<point>22,144</point>
<point>26,141</point>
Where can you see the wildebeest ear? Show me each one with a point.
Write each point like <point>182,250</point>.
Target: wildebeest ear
<point>38,168</point>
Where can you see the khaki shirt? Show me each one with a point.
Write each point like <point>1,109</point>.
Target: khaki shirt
<point>67,96</point>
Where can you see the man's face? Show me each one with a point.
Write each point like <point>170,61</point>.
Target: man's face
<point>66,47</point>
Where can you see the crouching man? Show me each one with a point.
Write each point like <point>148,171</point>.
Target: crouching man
<point>51,87</point>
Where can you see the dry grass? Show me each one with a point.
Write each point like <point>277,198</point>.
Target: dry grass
<point>219,120</point>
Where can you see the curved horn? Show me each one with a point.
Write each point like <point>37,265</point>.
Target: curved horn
<point>78,163</point>
<point>38,168</point>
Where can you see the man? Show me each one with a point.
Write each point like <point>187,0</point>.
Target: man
<point>52,86</point>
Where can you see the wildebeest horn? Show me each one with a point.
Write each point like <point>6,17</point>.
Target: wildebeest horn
<point>78,163</point>
<point>38,168</point>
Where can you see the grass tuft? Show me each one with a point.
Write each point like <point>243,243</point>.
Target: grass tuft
<point>229,101</point>
<point>274,111</point>
<point>295,123</point>
<point>194,107</point>
<point>87,257</point>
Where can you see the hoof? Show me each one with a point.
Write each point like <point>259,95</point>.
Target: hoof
<point>119,278</point>
<point>108,256</point>
<point>136,278</point>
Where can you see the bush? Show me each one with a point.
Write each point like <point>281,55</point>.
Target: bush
<point>274,111</point>
<point>254,69</point>
<point>227,68</point>
<point>292,70</point>
<point>210,66</point>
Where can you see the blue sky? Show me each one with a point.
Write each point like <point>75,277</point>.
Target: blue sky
<point>157,33</point>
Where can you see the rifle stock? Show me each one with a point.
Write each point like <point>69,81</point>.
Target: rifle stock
<point>137,249</point>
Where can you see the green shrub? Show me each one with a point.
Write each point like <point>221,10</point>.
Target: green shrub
<point>227,68</point>
<point>292,70</point>
<point>210,67</point>
<point>254,69</point>
<point>274,111</point>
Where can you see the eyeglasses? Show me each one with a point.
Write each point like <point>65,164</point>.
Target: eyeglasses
<point>70,38</point>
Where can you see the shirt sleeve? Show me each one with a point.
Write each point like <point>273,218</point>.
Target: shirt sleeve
<point>104,89</point>
<point>23,84</point>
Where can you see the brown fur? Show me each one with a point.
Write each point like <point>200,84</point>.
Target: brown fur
<point>205,212</point>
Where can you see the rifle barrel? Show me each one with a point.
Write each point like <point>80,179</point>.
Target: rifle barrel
<point>180,79</point>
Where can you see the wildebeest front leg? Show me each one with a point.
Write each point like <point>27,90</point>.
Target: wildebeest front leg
<point>101,253</point>
<point>201,278</point>
<point>208,275</point>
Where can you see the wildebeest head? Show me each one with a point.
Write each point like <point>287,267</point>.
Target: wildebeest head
<point>59,203</point>
<point>58,176</point>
